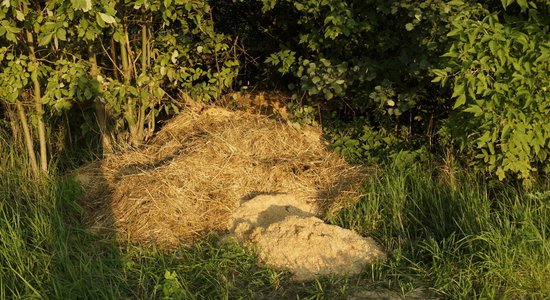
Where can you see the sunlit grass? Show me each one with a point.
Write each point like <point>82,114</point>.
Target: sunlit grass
<point>45,252</point>
<point>457,239</point>
<point>466,241</point>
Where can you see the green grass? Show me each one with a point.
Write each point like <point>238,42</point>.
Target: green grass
<point>46,252</point>
<point>465,240</point>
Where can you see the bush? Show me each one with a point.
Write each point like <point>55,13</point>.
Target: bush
<point>499,66</point>
<point>127,61</point>
<point>370,58</point>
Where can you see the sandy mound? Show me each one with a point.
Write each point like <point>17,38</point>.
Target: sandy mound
<point>288,236</point>
<point>308,247</point>
<point>190,177</point>
<point>264,210</point>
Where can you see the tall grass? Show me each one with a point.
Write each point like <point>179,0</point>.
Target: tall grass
<point>465,240</point>
<point>461,239</point>
<point>46,252</point>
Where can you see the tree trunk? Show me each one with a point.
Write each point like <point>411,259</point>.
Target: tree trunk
<point>114,60</point>
<point>14,126</point>
<point>101,113</point>
<point>129,114</point>
<point>28,138</point>
<point>143,103</point>
<point>38,105</point>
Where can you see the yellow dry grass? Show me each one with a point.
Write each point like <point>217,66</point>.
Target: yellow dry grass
<point>188,179</point>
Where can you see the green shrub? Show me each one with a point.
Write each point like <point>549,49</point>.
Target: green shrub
<point>127,61</point>
<point>371,58</point>
<point>499,66</point>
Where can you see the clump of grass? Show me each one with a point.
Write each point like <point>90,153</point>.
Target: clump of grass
<point>464,240</point>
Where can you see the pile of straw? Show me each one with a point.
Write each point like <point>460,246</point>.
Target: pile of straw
<point>188,179</point>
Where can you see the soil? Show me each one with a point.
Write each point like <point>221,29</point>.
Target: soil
<point>288,236</point>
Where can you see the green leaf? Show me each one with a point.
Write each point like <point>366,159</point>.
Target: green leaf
<point>523,4</point>
<point>84,5</point>
<point>455,3</point>
<point>45,39</point>
<point>493,47</point>
<point>458,90</point>
<point>61,34</point>
<point>315,79</point>
<point>439,73</point>
<point>87,5</point>
<point>409,26</point>
<point>299,6</point>
<point>19,15</point>
<point>461,100</point>
<point>107,18</point>
<point>475,109</point>
<point>174,58</point>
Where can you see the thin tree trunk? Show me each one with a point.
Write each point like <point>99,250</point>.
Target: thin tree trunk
<point>38,105</point>
<point>129,114</point>
<point>28,138</point>
<point>100,111</point>
<point>144,66</point>
<point>113,57</point>
<point>151,123</point>
<point>144,47</point>
<point>124,59</point>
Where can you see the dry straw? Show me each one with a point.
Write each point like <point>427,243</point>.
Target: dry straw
<point>188,179</point>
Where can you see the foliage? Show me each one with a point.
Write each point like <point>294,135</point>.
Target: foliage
<point>130,60</point>
<point>386,74</point>
<point>499,66</point>
<point>494,55</point>
<point>349,51</point>
<point>120,67</point>
<point>302,115</point>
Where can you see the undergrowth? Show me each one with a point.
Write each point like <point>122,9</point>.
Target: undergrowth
<point>452,235</point>
<point>458,235</point>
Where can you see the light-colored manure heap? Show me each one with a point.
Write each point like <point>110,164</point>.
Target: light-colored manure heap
<point>200,167</point>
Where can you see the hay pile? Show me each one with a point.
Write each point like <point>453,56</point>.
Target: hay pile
<point>199,167</point>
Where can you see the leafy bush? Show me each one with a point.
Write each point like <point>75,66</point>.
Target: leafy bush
<point>350,51</point>
<point>494,54</point>
<point>499,66</point>
<point>130,61</point>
